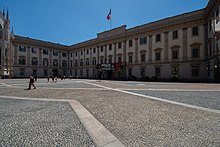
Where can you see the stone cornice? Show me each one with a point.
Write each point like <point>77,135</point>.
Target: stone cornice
<point>38,43</point>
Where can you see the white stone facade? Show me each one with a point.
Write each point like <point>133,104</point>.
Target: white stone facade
<point>183,47</point>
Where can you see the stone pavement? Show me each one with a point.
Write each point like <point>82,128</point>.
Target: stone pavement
<point>132,113</point>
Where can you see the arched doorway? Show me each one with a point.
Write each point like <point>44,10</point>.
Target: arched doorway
<point>55,72</point>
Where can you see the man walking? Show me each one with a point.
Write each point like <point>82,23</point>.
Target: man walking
<point>31,83</point>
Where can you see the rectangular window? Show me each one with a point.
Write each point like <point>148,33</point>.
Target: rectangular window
<point>101,48</point>
<point>76,54</point>
<point>143,40</point>
<point>81,52</point>
<point>64,54</point>
<point>119,45</point>
<point>130,71</point>
<point>158,39</point>
<point>34,50</point>
<point>94,50</point>
<point>195,31</point>
<point>130,59</point>
<point>143,58</point>
<point>45,72</point>
<point>119,59</point>
<point>87,51</point>
<point>45,51</point>
<point>55,53</point>
<point>130,43</point>
<point>195,70</point>
<point>110,47</point>
<point>22,48</point>
<point>157,71</point>
<point>22,72</point>
<point>195,53</point>
<point>175,34</point>
<point>157,56</point>
<point>175,54</point>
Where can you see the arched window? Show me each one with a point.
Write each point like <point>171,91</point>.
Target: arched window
<point>45,62</point>
<point>64,63</point>
<point>55,62</point>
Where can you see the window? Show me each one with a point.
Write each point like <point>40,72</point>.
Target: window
<point>130,59</point>
<point>87,51</point>
<point>195,31</point>
<point>94,61</point>
<point>81,62</point>
<point>195,53</point>
<point>64,63</point>
<point>130,43</point>
<point>81,72</point>
<point>55,62</point>
<point>143,40</point>
<point>175,54</point>
<point>87,62</point>
<point>195,70</point>
<point>175,34</point>
<point>34,50</point>
<point>102,61</point>
<point>64,54</point>
<point>45,62</point>
<point>175,70</point>
<point>45,72</point>
<point>158,38</point>
<point>210,24</point>
<point>157,56</point>
<point>34,61</point>
<point>110,59</point>
<point>81,52</point>
<point>76,63</point>
<point>110,47</point>
<point>45,51</point>
<point>55,53</point>
<point>157,71</point>
<point>71,64</point>
<point>119,45</point>
<point>22,60</point>
<point>22,72</point>
<point>94,50</point>
<point>143,57</point>
<point>119,59</point>
<point>101,48</point>
<point>142,70</point>
<point>71,54</point>
<point>76,54</point>
<point>130,71</point>
<point>22,48</point>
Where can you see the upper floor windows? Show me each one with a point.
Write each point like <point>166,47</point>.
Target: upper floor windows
<point>158,38</point>
<point>110,47</point>
<point>22,48</point>
<point>55,53</point>
<point>45,51</point>
<point>34,50</point>
<point>143,40</point>
<point>130,43</point>
<point>119,45</point>
<point>64,54</point>
<point>175,34</point>
<point>195,31</point>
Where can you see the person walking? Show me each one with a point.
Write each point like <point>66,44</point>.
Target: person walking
<point>31,83</point>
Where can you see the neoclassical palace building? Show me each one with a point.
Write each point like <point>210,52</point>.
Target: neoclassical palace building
<point>185,46</point>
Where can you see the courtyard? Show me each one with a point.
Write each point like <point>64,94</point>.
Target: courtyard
<point>80,112</point>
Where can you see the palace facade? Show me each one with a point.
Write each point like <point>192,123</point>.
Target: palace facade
<point>183,47</point>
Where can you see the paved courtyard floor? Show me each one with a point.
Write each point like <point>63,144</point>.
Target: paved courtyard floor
<point>85,113</point>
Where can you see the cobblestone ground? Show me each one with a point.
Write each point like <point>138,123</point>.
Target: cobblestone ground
<point>135,120</point>
<point>37,123</point>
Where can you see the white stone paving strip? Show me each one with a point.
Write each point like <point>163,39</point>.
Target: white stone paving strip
<point>160,99</point>
<point>99,134</point>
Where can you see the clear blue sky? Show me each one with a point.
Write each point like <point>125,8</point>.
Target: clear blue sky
<point>72,21</point>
